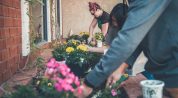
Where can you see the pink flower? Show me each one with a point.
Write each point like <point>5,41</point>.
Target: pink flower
<point>50,64</point>
<point>76,81</point>
<point>71,75</point>
<point>62,67</point>
<point>50,71</point>
<point>113,92</point>
<point>58,87</point>
<point>69,80</point>
<point>59,80</point>
<point>64,73</point>
<point>68,87</point>
<point>52,60</point>
<point>56,65</point>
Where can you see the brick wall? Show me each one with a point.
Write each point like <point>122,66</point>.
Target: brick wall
<point>10,38</point>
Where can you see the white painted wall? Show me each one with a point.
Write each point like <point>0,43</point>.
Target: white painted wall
<point>48,21</point>
<point>61,26</point>
<point>25,28</point>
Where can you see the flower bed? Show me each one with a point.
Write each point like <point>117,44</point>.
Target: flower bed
<point>59,82</point>
<point>75,53</point>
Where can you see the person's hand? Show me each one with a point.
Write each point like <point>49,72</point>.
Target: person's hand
<point>83,91</point>
<point>113,78</point>
<point>89,39</point>
<point>116,75</point>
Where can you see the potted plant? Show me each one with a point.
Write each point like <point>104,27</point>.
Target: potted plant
<point>99,38</point>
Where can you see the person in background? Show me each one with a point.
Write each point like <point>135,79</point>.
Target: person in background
<point>100,17</point>
<point>117,17</point>
<point>151,26</point>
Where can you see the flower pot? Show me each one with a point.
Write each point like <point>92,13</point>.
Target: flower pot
<point>152,88</point>
<point>79,71</point>
<point>99,43</point>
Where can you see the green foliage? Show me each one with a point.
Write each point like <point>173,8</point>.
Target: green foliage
<point>33,2</point>
<point>73,37</point>
<point>99,36</point>
<point>107,92</point>
<point>40,62</point>
<point>23,92</point>
<point>83,37</point>
<point>59,53</point>
<point>73,43</point>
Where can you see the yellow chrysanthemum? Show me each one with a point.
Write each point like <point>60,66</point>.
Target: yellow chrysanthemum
<point>126,75</point>
<point>49,84</point>
<point>81,33</point>
<point>69,49</point>
<point>82,47</point>
<point>86,33</point>
<point>74,42</point>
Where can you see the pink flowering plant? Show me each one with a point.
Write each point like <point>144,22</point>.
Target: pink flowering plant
<point>64,81</point>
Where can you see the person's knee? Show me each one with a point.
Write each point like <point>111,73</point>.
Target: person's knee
<point>173,92</point>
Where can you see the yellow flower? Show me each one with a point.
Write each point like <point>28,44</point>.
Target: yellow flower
<point>126,75</point>
<point>69,49</point>
<point>74,42</point>
<point>38,82</point>
<point>86,33</point>
<point>82,47</point>
<point>81,33</point>
<point>49,84</point>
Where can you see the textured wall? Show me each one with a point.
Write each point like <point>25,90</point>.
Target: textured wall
<point>10,38</point>
<point>76,15</point>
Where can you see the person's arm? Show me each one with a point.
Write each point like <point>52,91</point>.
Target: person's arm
<point>92,27</point>
<point>131,60</point>
<point>141,17</point>
<point>104,28</point>
<point>98,49</point>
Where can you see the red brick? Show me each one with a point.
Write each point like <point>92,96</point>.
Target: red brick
<point>19,49</point>
<point>17,4</point>
<point>18,13</point>
<point>6,75</point>
<point>1,1</point>
<point>13,65</point>
<point>13,51</point>
<point>15,22</point>
<point>19,30</point>
<point>1,79</point>
<point>5,10</point>
<point>9,2</point>
<point>3,66</point>
<point>4,55</point>
<point>9,42</point>
<point>1,13</point>
<point>1,22</point>
<point>2,33</point>
<point>2,44</point>
<point>5,33</point>
<point>20,22</point>
<point>17,38</point>
<point>10,12</point>
<point>17,59</point>
<point>8,22</point>
<point>13,31</point>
